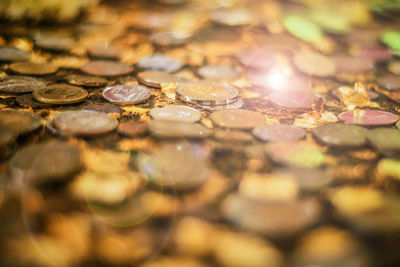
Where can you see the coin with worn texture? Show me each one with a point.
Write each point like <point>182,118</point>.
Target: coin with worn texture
<point>313,63</point>
<point>278,132</point>
<point>218,72</point>
<point>84,122</point>
<point>207,93</point>
<point>105,108</point>
<point>339,134</point>
<point>132,128</point>
<point>21,122</point>
<point>20,84</point>
<point>159,62</point>
<point>237,118</point>
<point>389,82</point>
<point>9,53</point>
<point>30,68</point>
<point>60,94</point>
<point>156,78</point>
<point>368,117</point>
<point>28,101</point>
<point>86,80</point>
<point>126,94</point>
<point>385,139</point>
<point>176,113</point>
<point>295,100</point>
<point>174,129</point>
<point>106,68</point>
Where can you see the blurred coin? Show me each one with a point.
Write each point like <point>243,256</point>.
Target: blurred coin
<point>168,38</point>
<point>176,113</point>
<point>159,62</point>
<point>86,80</point>
<point>156,78</point>
<point>257,58</point>
<point>218,72</point>
<point>303,28</point>
<point>394,67</point>
<point>375,54</point>
<point>106,68</point>
<point>229,136</point>
<point>306,178</point>
<point>54,43</point>
<point>278,132</point>
<point>7,137</point>
<point>391,38</point>
<point>233,17</point>
<point>174,129</point>
<point>126,94</point>
<point>368,117</point>
<point>207,93</point>
<point>313,63</point>
<point>105,108</point>
<point>84,122</point>
<point>19,121</point>
<point>331,21</point>
<point>339,134</point>
<point>385,139</point>
<point>132,128</point>
<point>295,100</point>
<point>389,82</point>
<point>20,84</point>
<point>347,63</point>
<point>28,101</point>
<point>105,52</point>
<point>10,53</point>
<point>60,94</point>
<point>30,68</point>
<point>237,118</point>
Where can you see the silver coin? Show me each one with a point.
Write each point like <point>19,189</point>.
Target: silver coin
<point>173,129</point>
<point>176,113</point>
<point>126,94</point>
<point>159,62</point>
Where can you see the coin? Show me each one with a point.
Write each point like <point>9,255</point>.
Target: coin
<point>60,94</point>
<point>55,43</point>
<point>368,117</point>
<point>132,128</point>
<point>229,136</point>
<point>7,137</point>
<point>347,63</point>
<point>174,129</point>
<point>126,94</point>
<point>237,118</point>
<point>106,68</point>
<point>313,63</point>
<point>156,78</point>
<point>233,17</point>
<point>30,68</point>
<point>176,113</point>
<point>303,28</point>
<point>86,80</point>
<point>257,58</point>
<point>278,132</point>
<point>295,100</point>
<point>105,108</point>
<point>307,179</point>
<point>168,38</point>
<point>218,72</point>
<point>389,82</point>
<point>28,101</point>
<point>10,53</point>
<point>385,139</point>
<point>84,122</point>
<point>394,67</point>
<point>338,134</point>
<point>159,62</point>
<point>19,121</point>
<point>20,84</point>
<point>207,93</point>
<point>105,52</point>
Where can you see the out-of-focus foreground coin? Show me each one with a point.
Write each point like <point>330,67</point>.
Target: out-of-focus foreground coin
<point>159,62</point>
<point>339,134</point>
<point>295,100</point>
<point>126,94</point>
<point>106,68</point>
<point>174,129</point>
<point>9,53</point>
<point>176,113</point>
<point>60,94</point>
<point>132,128</point>
<point>385,139</point>
<point>218,72</point>
<point>20,84</point>
<point>21,122</point>
<point>237,118</point>
<point>368,117</point>
<point>278,132</point>
<point>313,63</point>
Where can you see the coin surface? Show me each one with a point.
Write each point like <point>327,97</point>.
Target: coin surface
<point>126,94</point>
<point>218,72</point>
<point>368,117</point>
<point>7,137</point>
<point>28,101</point>
<point>20,84</point>
<point>20,121</point>
<point>389,82</point>
<point>12,54</point>
<point>105,52</point>
<point>384,139</point>
<point>60,94</point>
<point>176,113</point>
<point>168,38</point>
<point>54,43</point>
<point>347,63</point>
<point>313,63</point>
<point>339,134</point>
<point>174,129</point>
<point>86,80</point>
<point>84,122</point>
<point>257,58</point>
<point>106,68</point>
<point>207,93</point>
<point>105,108</point>
<point>30,68</point>
<point>278,132</point>
<point>156,78</point>
<point>295,100</point>
<point>237,118</point>
<point>159,62</point>
<point>132,128</point>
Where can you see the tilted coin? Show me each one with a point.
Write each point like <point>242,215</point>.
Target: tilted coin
<point>389,82</point>
<point>295,100</point>
<point>20,84</point>
<point>84,122</point>
<point>174,129</point>
<point>28,101</point>
<point>339,134</point>
<point>278,132</point>
<point>156,78</point>
<point>30,68</point>
<point>21,122</point>
<point>7,137</point>
<point>105,108</point>
<point>60,94</point>
<point>45,162</point>
<point>313,63</point>
<point>159,62</point>
<point>218,72</point>
<point>368,117</point>
<point>307,179</point>
<point>384,139</point>
<point>347,63</point>
<point>106,52</point>
<point>229,136</point>
<point>106,68</point>
<point>126,94</point>
<point>257,58</point>
<point>10,53</point>
<point>132,128</point>
<point>86,80</point>
<point>237,118</point>
<point>176,113</point>
<point>207,93</point>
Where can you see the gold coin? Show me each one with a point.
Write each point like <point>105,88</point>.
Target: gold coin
<point>237,118</point>
<point>30,68</point>
<point>60,94</point>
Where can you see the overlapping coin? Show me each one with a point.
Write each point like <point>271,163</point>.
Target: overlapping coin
<point>176,113</point>
<point>105,52</point>
<point>30,68</point>
<point>278,132</point>
<point>385,139</point>
<point>126,94</point>
<point>159,62</point>
<point>20,84</point>
<point>106,68</point>
<point>339,134</point>
<point>60,94</point>
<point>369,117</point>
<point>27,100</point>
<point>156,78</point>
<point>237,118</point>
<point>86,80</point>
<point>132,128</point>
<point>105,108</point>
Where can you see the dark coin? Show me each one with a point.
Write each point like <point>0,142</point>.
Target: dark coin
<point>105,108</point>
<point>278,132</point>
<point>30,68</point>
<point>257,58</point>
<point>106,68</point>
<point>338,134</point>
<point>86,80</point>
<point>295,100</point>
<point>385,139</point>
<point>9,53</point>
<point>54,43</point>
<point>389,82</point>
<point>19,121</point>
<point>159,62</point>
<point>60,94</point>
<point>20,84</point>
<point>28,101</point>
<point>126,94</point>
<point>132,128</point>
<point>105,52</point>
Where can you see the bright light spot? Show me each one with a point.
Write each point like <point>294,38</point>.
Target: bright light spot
<point>277,80</point>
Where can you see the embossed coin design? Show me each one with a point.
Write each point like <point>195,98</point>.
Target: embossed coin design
<point>237,118</point>
<point>60,94</point>
<point>176,113</point>
<point>126,94</point>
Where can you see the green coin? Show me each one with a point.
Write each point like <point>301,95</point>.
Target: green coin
<point>391,38</point>
<point>330,22</point>
<point>303,28</point>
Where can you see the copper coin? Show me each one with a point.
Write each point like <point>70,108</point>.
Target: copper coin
<point>84,122</point>
<point>237,118</point>
<point>207,93</point>
<point>313,63</point>
<point>132,128</point>
<point>20,84</point>
<point>105,52</point>
<point>339,134</point>
<point>174,129</point>
<point>28,101</point>
<point>347,63</point>
<point>218,72</point>
<point>60,94</point>
<point>389,82</point>
<point>106,68</point>
<point>12,54</point>
<point>176,113</point>
<point>86,80</point>
<point>385,139</point>
<point>156,78</point>
<point>30,68</point>
<point>257,58</point>
<point>278,132</point>
<point>369,117</point>
<point>105,108</point>
<point>295,100</point>
<point>126,94</point>
<point>159,62</point>
<point>19,121</point>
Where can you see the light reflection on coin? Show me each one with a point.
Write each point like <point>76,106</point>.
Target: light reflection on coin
<point>295,100</point>
<point>126,94</point>
<point>173,129</point>
<point>176,113</point>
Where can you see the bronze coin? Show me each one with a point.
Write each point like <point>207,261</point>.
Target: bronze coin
<point>339,134</point>
<point>28,101</point>
<point>20,84</point>
<point>156,78</point>
<point>132,128</point>
<point>105,52</point>
<point>86,80</point>
<point>60,94</point>
<point>105,108</point>
<point>30,68</point>
<point>12,54</point>
<point>106,68</point>
<point>19,121</point>
<point>159,62</point>
<point>126,94</point>
<point>237,118</point>
<point>278,132</point>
